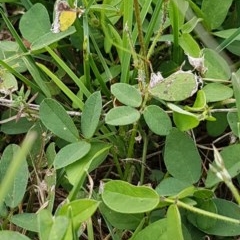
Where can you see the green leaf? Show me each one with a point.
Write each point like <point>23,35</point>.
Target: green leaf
<point>190,25</point>
<point>121,220</point>
<point>157,120</point>
<point>202,221</point>
<point>185,122</point>
<point>49,38</point>
<point>174,228</point>
<point>81,210</point>
<point>221,228</point>
<point>6,235</point>
<point>171,187</point>
<point>138,199</point>
<point>26,221</point>
<point>233,121</point>
<point>214,12</point>
<point>19,185</point>
<point>35,22</point>
<point>89,162</point>
<point>181,157</point>
<point>90,114</point>
<point>217,92</point>
<point>154,231</point>
<point>127,94</point>
<point>216,128</point>
<point>123,115</point>
<point>217,67</point>
<point>71,153</point>
<point>168,89</point>
<point>45,222</point>
<point>59,228</point>
<point>8,83</point>
<point>56,119</point>
<point>231,158</point>
<point>189,45</point>
<point>9,53</point>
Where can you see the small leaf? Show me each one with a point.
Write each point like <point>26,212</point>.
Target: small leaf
<point>127,94</point>
<point>59,228</point>
<point>90,114</point>
<point>81,210</point>
<point>45,222</point>
<point>157,120</point>
<point>168,89</point>
<point>71,153</point>
<point>233,121</point>
<point>217,67</point>
<point>138,199</point>
<point>123,115</point>
<point>19,185</point>
<point>97,154</point>
<point>217,92</point>
<point>26,221</point>
<point>181,157</point>
<point>155,231</point>
<point>189,45</point>
<point>35,22</point>
<point>121,220</point>
<point>56,119</point>
<point>185,122</point>
<point>174,228</point>
<point>171,187</point>
<point>6,234</point>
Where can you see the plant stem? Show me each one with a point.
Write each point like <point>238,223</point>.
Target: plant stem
<point>141,38</point>
<point>144,157</point>
<point>202,212</point>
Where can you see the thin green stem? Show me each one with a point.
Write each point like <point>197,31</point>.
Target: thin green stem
<point>202,212</point>
<point>234,191</point>
<point>144,157</point>
<point>140,36</point>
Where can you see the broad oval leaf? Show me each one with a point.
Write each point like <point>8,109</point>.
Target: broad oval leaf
<point>177,87</point>
<point>215,92</point>
<point>123,197</point>
<point>56,119</point>
<point>123,115</point>
<point>71,153</point>
<point>90,114</point>
<point>6,235</point>
<point>127,94</point>
<point>35,22</point>
<point>181,157</point>
<point>20,180</point>
<point>157,120</point>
